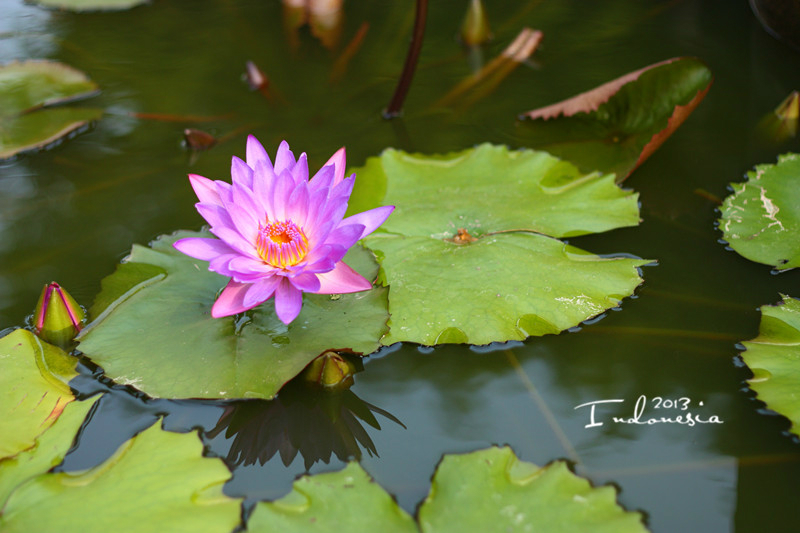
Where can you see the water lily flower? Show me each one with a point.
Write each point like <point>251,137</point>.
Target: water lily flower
<point>58,317</point>
<point>279,233</point>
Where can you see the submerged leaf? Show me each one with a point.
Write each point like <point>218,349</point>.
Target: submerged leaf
<point>469,253</point>
<point>761,219</point>
<point>774,358</point>
<point>619,124</point>
<point>152,328</point>
<point>166,483</point>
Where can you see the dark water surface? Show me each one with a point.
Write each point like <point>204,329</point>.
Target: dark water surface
<point>71,213</point>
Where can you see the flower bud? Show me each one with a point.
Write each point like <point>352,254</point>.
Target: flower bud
<point>58,317</point>
<point>332,371</point>
<point>475,29</point>
<point>781,124</point>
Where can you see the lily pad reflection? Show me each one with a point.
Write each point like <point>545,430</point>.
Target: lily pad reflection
<point>303,419</point>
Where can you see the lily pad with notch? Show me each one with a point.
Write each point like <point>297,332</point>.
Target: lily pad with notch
<point>472,252</point>
<point>151,328</point>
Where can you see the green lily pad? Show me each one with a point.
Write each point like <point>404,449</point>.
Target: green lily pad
<point>33,378</point>
<point>151,328</point>
<point>347,500</point>
<point>42,128</point>
<point>774,358</point>
<point>49,450</point>
<point>167,485</point>
<point>492,490</point>
<point>470,254</point>
<point>761,219</point>
<point>488,490</point>
<point>28,85</point>
<point>89,5</point>
<point>616,126</point>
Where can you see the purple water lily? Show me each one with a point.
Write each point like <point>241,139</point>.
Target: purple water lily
<point>279,233</point>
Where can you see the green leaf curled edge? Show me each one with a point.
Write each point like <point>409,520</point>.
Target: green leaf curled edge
<point>761,219</point>
<point>33,378</point>
<point>774,359</point>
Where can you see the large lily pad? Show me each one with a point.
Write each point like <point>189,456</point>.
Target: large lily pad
<point>492,490</point>
<point>618,125</point>
<point>152,328</point>
<point>33,378</point>
<point>166,483</point>
<point>469,254</point>
<point>347,500</point>
<point>774,358</point>
<point>488,490</point>
<point>28,85</point>
<point>761,219</point>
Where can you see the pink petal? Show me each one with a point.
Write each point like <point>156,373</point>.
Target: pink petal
<point>323,179</point>
<point>201,248</point>
<point>300,170</point>
<point>345,236</point>
<point>205,189</point>
<point>231,301</point>
<point>288,301</point>
<point>280,195</point>
<point>241,173</point>
<point>342,279</point>
<point>261,291</point>
<point>338,161</point>
<point>263,185</point>
<point>256,154</point>
<point>235,240</point>
<point>370,219</point>
<point>284,159</point>
<point>306,282</point>
<point>297,208</point>
<point>216,215</point>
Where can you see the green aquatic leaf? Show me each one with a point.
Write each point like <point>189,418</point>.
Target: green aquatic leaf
<point>616,126</point>
<point>774,358</point>
<point>152,328</point>
<point>26,85</point>
<point>33,378</point>
<point>492,490</point>
<point>488,490</point>
<point>347,500</point>
<point>29,85</point>
<point>49,450</point>
<point>761,219</point>
<point>157,481</point>
<point>90,5</point>
<point>470,254</point>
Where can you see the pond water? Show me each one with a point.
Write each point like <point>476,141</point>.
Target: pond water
<point>72,212</point>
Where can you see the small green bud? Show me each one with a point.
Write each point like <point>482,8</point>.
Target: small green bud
<point>332,371</point>
<point>475,29</point>
<point>781,124</point>
<point>58,317</point>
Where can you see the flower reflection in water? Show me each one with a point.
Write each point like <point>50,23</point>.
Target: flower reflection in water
<point>315,421</point>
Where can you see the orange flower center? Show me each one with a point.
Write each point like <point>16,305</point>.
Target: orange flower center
<point>281,244</point>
